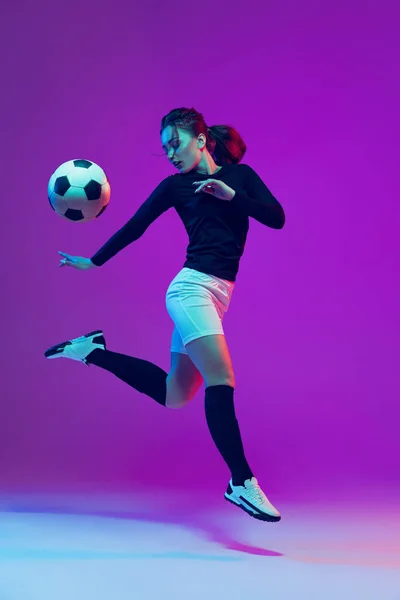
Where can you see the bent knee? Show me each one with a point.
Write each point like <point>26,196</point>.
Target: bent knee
<point>175,404</point>
<point>178,397</point>
<point>178,400</point>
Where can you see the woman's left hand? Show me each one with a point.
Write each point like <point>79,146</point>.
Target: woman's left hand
<point>216,188</point>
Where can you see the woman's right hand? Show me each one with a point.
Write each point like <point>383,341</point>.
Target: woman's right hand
<point>78,262</point>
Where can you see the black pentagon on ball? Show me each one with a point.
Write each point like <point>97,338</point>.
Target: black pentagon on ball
<point>102,210</point>
<point>51,203</point>
<point>61,185</point>
<point>85,164</point>
<point>93,190</point>
<point>74,215</point>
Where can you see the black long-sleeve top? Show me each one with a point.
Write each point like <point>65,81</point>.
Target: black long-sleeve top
<point>217,229</point>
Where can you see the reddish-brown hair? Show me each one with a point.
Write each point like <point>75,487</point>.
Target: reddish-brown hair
<point>224,143</point>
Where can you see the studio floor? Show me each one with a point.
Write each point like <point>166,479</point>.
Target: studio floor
<point>149,544</point>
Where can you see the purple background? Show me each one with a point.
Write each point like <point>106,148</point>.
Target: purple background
<point>314,323</point>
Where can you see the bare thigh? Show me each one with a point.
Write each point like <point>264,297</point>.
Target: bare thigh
<point>210,354</point>
<point>183,380</point>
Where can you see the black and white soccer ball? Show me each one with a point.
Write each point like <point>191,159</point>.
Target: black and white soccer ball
<point>79,190</point>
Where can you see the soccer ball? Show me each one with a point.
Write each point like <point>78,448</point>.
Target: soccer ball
<point>79,190</point>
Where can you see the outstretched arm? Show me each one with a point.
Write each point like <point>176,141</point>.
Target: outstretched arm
<point>258,202</point>
<point>160,200</point>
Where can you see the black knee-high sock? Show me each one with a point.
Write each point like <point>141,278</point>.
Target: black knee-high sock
<point>140,374</point>
<point>224,429</point>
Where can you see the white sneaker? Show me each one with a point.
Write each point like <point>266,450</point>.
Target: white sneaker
<point>78,348</point>
<point>252,499</point>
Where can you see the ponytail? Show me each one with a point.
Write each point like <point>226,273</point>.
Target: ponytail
<point>226,145</point>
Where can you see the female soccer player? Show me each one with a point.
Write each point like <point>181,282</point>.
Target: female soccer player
<point>214,196</point>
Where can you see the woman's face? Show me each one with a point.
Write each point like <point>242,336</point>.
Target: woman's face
<point>182,149</point>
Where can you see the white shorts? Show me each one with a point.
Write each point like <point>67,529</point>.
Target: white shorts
<point>196,303</point>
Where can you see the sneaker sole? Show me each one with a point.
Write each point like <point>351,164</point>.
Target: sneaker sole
<point>59,348</point>
<point>258,516</point>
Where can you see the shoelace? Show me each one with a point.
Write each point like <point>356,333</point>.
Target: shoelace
<point>256,493</point>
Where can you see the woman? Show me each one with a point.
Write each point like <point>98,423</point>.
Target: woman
<point>214,196</point>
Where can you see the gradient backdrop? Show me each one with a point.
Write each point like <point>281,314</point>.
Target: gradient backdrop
<point>313,328</point>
